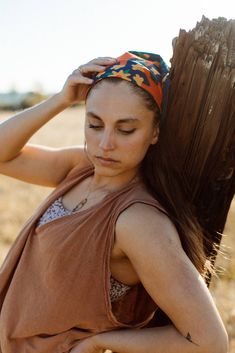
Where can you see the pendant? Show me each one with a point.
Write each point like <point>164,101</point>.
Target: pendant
<point>80,205</point>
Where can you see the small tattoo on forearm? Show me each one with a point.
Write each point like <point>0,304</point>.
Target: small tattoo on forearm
<point>188,337</point>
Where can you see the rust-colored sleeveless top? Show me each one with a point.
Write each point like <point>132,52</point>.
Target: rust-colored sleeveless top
<point>55,280</point>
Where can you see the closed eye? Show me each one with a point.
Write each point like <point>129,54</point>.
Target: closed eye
<point>97,127</point>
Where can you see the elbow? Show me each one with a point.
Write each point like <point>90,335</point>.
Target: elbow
<point>4,158</point>
<point>7,157</point>
<point>223,345</point>
<point>218,344</point>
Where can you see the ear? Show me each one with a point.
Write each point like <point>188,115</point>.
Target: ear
<point>155,135</point>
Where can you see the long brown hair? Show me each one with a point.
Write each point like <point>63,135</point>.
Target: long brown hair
<point>165,182</point>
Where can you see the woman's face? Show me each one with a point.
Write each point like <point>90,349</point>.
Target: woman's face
<point>119,127</point>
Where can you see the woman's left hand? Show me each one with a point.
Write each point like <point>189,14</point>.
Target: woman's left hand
<point>87,345</point>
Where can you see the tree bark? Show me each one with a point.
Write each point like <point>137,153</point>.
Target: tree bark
<point>202,115</point>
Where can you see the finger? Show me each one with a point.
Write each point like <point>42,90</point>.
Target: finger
<point>106,60</point>
<point>100,62</point>
<point>78,78</point>
<point>84,69</point>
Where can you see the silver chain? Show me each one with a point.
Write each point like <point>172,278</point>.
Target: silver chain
<point>84,201</point>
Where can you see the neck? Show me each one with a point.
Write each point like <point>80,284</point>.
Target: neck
<point>114,182</point>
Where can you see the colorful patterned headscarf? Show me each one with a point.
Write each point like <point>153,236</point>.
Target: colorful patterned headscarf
<point>145,70</point>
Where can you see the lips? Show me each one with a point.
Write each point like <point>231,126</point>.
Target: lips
<point>107,159</point>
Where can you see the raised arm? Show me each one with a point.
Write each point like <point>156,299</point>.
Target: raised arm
<point>37,164</point>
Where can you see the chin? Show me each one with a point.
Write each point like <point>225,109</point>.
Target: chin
<point>106,171</point>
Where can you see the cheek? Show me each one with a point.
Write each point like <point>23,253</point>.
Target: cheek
<point>136,147</point>
<point>90,137</point>
<point>91,142</point>
<point>142,139</point>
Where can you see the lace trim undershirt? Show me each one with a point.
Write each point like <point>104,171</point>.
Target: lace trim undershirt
<point>57,210</point>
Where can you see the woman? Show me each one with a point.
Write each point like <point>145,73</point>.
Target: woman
<point>101,255</point>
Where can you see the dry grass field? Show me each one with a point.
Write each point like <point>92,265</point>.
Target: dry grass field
<point>18,200</point>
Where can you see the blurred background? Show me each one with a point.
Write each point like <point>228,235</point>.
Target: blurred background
<point>42,42</point>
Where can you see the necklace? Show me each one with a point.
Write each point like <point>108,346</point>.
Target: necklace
<point>84,201</point>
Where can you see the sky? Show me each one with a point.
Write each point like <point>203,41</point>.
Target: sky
<point>42,42</point>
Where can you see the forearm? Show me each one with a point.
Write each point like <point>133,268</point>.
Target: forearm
<point>17,130</point>
<point>154,340</point>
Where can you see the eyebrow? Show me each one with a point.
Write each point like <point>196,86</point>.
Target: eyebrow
<point>126,120</point>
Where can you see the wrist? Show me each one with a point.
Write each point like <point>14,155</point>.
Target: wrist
<point>62,102</point>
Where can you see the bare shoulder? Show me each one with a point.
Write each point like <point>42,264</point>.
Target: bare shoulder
<point>141,222</point>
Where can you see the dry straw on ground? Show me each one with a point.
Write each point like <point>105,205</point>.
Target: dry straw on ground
<point>18,199</point>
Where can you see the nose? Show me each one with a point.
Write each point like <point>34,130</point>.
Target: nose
<point>107,142</point>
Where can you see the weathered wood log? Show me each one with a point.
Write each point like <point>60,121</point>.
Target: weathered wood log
<point>201,112</point>
<point>200,123</point>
